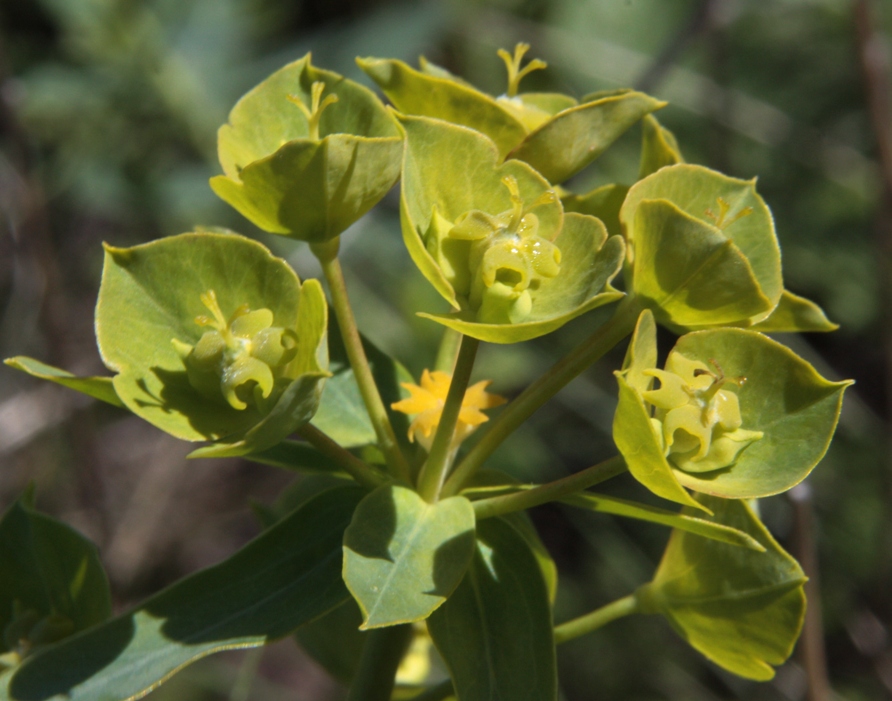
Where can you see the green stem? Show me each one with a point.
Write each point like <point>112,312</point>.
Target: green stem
<point>359,470</point>
<point>448,351</point>
<point>433,472</point>
<point>596,619</point>
<point>592,349</point>
<point>518,501</point>
<point>381,655</point>
<point>327,253</point>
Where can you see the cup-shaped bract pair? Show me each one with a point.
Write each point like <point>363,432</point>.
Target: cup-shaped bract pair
<point>732,414</point>
<point>307,152</point>
<point>702,252</point>
<point>553,132</point>
<point>493,239</point>
<point>213,338</point>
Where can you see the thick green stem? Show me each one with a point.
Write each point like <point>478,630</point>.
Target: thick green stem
<point>518,501</point>
<point>360,471</point>
<point>327,254</point>
<point>593,348</point>
<point>433,473</point>
<point>381,655</point>
<point>596,619</point>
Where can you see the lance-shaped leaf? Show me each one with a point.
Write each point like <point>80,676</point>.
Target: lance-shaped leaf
<point>51,582</point>
<point>100,388</point>
<point>495,631</point>
<point>702,248</point>
<point>644,512</point>
<point>403,556</point>
<point>785,415</point>
<point>286,577</point>
<point>554,133</point>
<point>741,609</point>
<point>457,224</point>
<point>251,380</point>
<point>299,163</point>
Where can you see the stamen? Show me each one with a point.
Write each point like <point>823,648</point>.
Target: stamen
<point>724,208</point>
<point>317,107</point>
<point>517,209</point>
<point>512,63</point>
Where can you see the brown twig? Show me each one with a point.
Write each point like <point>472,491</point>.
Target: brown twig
<point>812,654</point>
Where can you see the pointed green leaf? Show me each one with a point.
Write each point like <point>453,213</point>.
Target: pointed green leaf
<point>783,396</point>
<point>705,209</point>
<point>100,388</point>
<point>430,94</point>
<point>741,609</point>
<point>603,202</point>
<point>495,631</point>
<point>151,296</point>
<point>286,577</point>
<point>403,557</point>
<point>288,180</point>
<point>682,521</point>
<point>794,313</point>
<point>51,581</point>
<point>575,137</point>
<point>641,354</point>
<point>688,272</point>
<point>658,147</point>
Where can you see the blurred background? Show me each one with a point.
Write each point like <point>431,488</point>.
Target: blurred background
<point>108,118</point>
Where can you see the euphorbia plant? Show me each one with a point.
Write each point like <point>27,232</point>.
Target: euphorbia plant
<point>398,535</point>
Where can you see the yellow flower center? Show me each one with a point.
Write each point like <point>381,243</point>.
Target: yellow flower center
<point>426,403</point>
<point>696,415</point>
<point>317,107</point>
<point>240,357</point>
<point>515,72</point>
<point>507,257</point>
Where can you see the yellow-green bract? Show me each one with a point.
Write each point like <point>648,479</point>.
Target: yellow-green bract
<point>780,396</point>
<point>307,152</point>
<point>702,252</point>
<point>153,308</point>
<point>493,240</point>
<point>554,133</point>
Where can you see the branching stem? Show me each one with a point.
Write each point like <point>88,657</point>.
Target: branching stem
<point>596,619</point>
<point>356,468</point>
<point>518,501</point>
<point>593,348</point>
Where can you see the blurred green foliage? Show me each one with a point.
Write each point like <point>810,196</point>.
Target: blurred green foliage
<point>108,118</point>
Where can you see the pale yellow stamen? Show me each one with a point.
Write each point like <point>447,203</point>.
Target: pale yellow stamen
<point>512,63</point>
<point>317,107</point>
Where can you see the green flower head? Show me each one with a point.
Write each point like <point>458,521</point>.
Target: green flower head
<point>307,152</point>
<point>732,413</point>
<point>213,338</point>
<point>554,133</point>
<point>493,239</point>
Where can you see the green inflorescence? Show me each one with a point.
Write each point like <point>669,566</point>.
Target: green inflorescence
<point>696,416</point>
<point>240,358</point>
<point>507,258</point>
